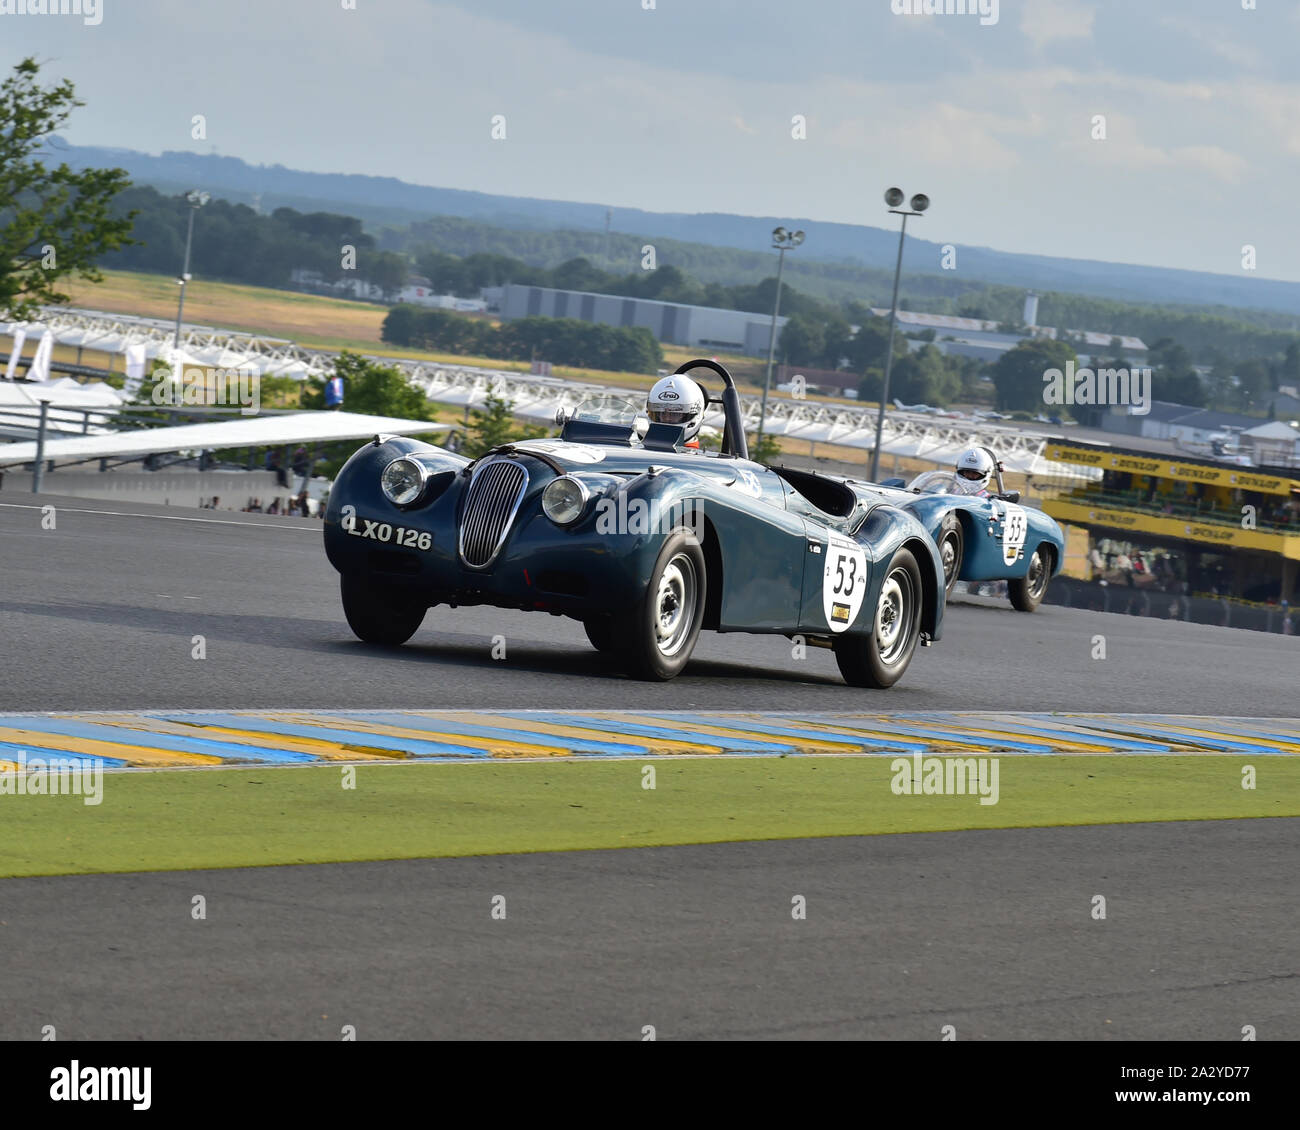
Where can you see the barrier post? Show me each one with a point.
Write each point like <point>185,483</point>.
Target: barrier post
<point>38,471</point>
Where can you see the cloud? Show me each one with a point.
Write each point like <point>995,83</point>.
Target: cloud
<point>1046,21</point>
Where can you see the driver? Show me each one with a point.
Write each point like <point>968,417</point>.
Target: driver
<point>974,471</point>
<point>677,400</point>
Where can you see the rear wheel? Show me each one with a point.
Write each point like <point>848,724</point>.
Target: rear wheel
<point>952,542</point>
<point>379,617</point>
<point>1027,592</point>
<point>658,636</point>
<point>878,658</point>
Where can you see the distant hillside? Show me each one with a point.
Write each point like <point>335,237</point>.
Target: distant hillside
<point>388,202</point>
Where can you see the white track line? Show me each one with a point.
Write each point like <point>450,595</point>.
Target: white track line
<point>164,517</point>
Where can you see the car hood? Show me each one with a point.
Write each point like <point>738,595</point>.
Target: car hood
<point>612,460</point>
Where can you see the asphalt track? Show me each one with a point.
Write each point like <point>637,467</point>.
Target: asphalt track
<point>988,931</point>
<point>991,932</point>
<point>101,612</point>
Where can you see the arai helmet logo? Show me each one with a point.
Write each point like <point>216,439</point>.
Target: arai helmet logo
<point>666,395</point>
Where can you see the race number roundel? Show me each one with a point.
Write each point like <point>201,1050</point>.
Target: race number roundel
<point>1015,528</point>
<point>844,583</point>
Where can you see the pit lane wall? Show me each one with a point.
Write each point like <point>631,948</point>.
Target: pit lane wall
<point>1099,596</point>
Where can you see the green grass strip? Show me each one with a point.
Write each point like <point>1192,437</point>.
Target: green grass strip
<point>258,817</point>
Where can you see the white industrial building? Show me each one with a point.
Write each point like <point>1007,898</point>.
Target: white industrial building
<point>986,341</point>
<point>709,328</point>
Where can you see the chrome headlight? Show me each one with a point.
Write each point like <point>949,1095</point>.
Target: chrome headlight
<point>402,481</point>
<point>564,500</point>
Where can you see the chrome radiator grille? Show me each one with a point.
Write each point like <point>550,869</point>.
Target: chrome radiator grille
<point>490,504</point>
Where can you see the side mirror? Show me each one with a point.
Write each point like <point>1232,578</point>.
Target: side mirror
<point>1010,496</point>
<point>561,415</point>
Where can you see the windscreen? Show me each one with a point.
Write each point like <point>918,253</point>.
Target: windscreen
<point>936,482</point>
<point>620,410</point>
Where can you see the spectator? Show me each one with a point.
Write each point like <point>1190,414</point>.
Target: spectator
<point>301,468</point>
<point>1124,566</point>
<point>273,463</point>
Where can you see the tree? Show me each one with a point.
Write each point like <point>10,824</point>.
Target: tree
<point>867,348</point>
<point>925,377</point>
<point>1253,384</point>
<point>379,390</point>
<point>1289,373</point>
<point>53,222</point>
<point>385,269</point>
<point>494,426</point>
<point>577,274</point>
<point>764,451</point>
<point>1019,373</point>
<point>802,340</point>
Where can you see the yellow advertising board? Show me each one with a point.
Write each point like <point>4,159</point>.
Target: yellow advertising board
<point>1159,467</point>
<point>1177,529</point>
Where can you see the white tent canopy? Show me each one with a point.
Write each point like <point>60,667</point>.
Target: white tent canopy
<point>258,431</point>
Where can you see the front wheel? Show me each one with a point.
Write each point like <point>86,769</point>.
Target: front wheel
<point>878,658</point>
<point>658,636</point>
<point>379,617</point>
<point>1027,592</point>
<point>951,546</point>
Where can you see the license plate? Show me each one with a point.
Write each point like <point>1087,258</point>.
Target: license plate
<point>385,532</point>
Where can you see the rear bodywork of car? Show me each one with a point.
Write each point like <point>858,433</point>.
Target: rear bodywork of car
<point>786,551</point>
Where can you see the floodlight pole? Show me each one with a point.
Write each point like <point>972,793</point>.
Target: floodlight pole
<point>196,201</point>
<point>782,241</point>
<point>893,317</point>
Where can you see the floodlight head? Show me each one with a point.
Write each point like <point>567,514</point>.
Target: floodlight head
<point>796,239</point>
<point>894,197</point>
<point>778,235</point>
<point>197,199</point>
<point>920,202</point>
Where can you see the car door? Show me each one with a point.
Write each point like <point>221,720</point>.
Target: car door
<point>763,548</point>
<point>837,574</point>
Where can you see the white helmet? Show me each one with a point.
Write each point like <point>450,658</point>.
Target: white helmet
<point>974,469</point>
<point>677,400</point>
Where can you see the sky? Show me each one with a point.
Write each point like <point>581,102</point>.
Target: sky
<point>695,105</point>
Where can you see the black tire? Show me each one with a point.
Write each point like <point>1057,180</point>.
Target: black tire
<point>378,617</point>
<point>952,543</point>
<point>879,657</point>
<point>1027,592</point>
<point>601,633</point>
<point>657,637</point>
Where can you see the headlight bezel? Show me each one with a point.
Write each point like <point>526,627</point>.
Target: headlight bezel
<point>422,473</point>
<point>584,500</point>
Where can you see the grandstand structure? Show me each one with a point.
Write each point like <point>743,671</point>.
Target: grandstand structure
<point>536,397</point>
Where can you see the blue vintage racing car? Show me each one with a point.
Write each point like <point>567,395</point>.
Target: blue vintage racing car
<point>619,524</point>
<point>986,537</point>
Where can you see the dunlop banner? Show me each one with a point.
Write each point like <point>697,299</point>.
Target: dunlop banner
<point>1160,467</point>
